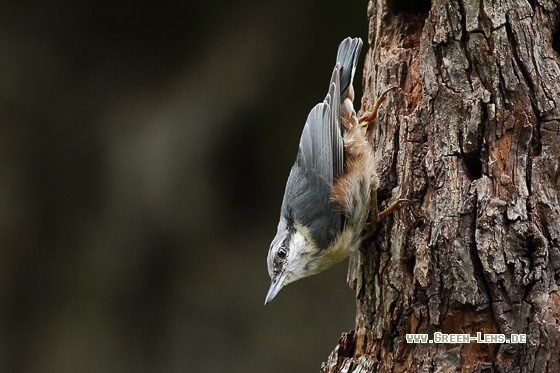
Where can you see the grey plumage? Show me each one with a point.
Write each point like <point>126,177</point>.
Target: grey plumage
<point>320,157</point>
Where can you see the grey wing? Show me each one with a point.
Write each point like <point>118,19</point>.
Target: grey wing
<point>320,159</point>
<point>307,202</point>
<point>321,147</point>
<point>319,162</point>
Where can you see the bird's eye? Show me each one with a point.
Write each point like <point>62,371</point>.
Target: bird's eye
<point>282,253</point>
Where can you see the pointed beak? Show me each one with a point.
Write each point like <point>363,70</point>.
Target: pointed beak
<point>275,286</point>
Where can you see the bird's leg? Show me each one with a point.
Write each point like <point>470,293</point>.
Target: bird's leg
<point>368,118</point>
<point>375,216</point>
<point>395,205</point>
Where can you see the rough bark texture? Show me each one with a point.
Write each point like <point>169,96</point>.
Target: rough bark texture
<point>473,137</point>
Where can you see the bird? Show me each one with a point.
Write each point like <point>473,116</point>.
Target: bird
<point>331,191</point>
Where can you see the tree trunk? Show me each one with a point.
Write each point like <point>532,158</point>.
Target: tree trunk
<point>473,137</point>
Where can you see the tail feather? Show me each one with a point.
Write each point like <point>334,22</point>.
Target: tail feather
<point>347,57</point>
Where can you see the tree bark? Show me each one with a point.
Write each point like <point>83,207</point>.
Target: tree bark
<point>473,137</point>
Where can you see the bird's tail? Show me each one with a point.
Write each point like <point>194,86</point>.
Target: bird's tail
<point>347,58</point>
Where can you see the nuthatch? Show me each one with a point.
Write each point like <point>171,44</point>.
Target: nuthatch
<point>332,186</point>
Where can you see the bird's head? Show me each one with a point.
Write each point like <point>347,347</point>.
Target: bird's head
<point>292,256</point>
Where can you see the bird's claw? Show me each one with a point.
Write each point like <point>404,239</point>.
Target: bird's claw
<point>369,117</point>
<point>395,205</point>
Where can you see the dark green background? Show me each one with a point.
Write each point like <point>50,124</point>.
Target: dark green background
<point>143,155</point>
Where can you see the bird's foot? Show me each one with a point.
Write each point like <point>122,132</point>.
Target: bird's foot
<point>375,216</point>
<point>369,117</point>
<point>395,205</point>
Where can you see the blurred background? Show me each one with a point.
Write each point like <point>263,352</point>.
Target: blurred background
<point>143,154</point>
